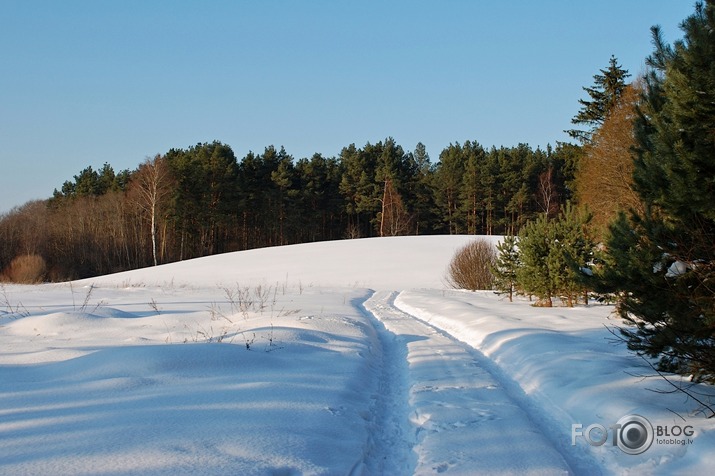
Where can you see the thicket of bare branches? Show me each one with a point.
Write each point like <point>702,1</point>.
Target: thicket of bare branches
<point>471,266</point>
<point>25,269</point>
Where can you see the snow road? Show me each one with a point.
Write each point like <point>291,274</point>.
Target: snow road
<point>461,418</point>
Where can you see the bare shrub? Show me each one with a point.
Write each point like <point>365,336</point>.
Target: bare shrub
<point>471,266</point>
<point>26,269</point>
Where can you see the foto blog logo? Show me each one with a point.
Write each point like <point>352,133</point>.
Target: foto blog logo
<point>633,434</point>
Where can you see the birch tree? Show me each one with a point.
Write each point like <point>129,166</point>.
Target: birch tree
<point>153,184</point>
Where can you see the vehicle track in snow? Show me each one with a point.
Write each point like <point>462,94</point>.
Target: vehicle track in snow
<point>438,400</point>
<point>389,447</point>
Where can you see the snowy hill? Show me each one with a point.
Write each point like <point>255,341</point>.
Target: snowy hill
<point>342,357</point>
<point>377,263</point>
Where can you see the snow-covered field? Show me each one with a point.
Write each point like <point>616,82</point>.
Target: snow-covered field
<point>346,357</point>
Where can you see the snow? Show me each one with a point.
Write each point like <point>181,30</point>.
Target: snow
<point>346,357</point>
<point>376,263</point>
<point>676,269</point>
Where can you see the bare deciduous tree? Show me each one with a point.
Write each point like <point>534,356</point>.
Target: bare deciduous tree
<point>394,219</point>
<point>605,176</point>
<point>547,195</point>
<point>153,185</point>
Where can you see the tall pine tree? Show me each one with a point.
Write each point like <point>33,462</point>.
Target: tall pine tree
<point>605,93</point>
<point>663,259</point>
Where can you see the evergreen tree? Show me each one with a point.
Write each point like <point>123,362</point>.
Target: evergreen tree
<point>605,93</point>
<point>506,266</point>
<point>470,193</point>
<point>284,179</point>
<point>320,206</point>
<point>489,181</point>
<point>369,173</point>
<point>554,256</point>
<point>205,196</point>
<point>422,192</point>
<point>663,259</point>
<point>566,161</point>
<point>90,183</point>
<point>265,189</point>
<point>514,169</point>
<point>449,176</point>
<point>358,187</point>
<point>571,254</point>
<point>535,275</point>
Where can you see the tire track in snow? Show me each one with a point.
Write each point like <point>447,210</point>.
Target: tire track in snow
<point>578,461</point>
<point>457,416</point>
<point>389,448</point>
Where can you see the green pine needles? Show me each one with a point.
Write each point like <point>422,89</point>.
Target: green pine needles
<point>550,259</point>
<point>506,266</point>
<point>554,257</point>
<point>662,260</point>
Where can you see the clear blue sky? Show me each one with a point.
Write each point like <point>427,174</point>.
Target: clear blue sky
<point>88,82</point>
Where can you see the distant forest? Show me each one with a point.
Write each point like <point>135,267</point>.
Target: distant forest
<point>202,200</point>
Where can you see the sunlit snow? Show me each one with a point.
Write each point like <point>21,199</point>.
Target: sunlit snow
<point>347,357</point>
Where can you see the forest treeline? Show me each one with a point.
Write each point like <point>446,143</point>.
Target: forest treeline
<point>202,200</point>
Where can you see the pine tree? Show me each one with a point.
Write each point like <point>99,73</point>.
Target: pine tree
<point>554,256</point>
<point>570,255</point>
<point>320,204</point>
<point>449,176</point>
<point>204,196</point>
<point>490,187</point>
<point>470,194</point>
<point>535,274</point>
<point>283,179</point>
<point>422,191</point>
<point>605,93</point>
<point>663,259</point>
<point>506,266</point>
<point>514,170</point>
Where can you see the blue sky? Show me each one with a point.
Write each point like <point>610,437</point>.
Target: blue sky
<point>88,82</point>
